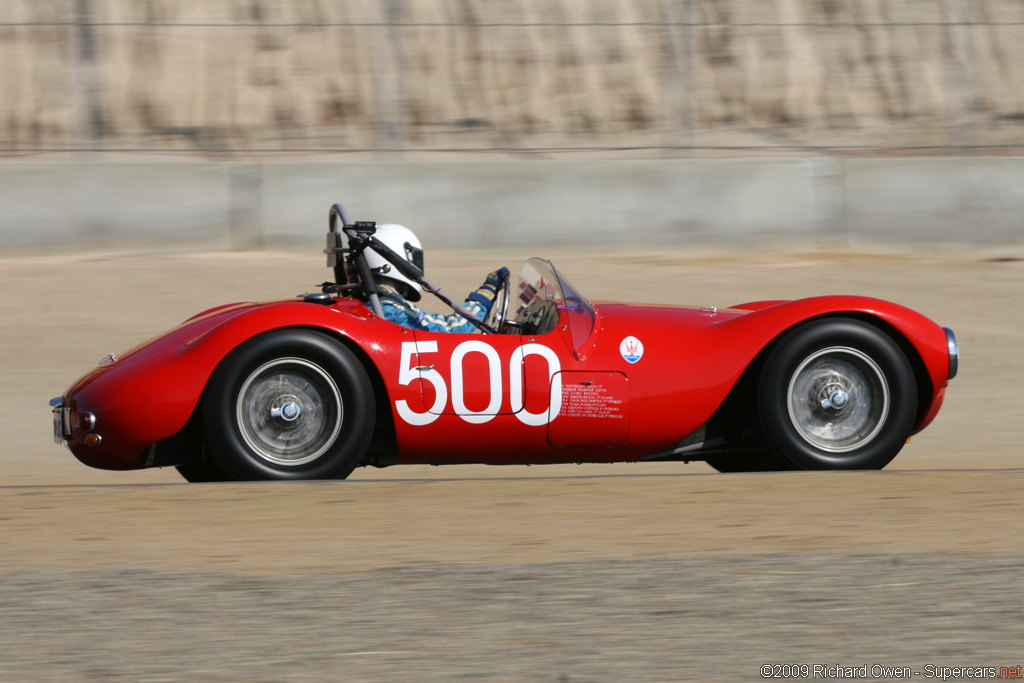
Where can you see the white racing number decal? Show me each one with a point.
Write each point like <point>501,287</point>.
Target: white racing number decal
<point>515,386</point>
<point>493,373</point>
<point>407,373</point>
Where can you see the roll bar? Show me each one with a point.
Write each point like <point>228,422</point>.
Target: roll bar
<point>360,238</point>
<point>357,237</point>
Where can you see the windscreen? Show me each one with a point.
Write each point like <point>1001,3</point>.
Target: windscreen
<point>539,280</point>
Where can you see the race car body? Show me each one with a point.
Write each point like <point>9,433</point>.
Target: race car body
<point>313,387</point>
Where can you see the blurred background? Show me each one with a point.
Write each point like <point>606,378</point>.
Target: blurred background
<point>163,124</point>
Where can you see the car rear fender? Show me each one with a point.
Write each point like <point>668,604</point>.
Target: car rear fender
<point>349,322</point>
<point>181,446</point>
<point>151,396</point>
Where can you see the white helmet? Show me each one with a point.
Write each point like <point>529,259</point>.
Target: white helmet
<point>403,242</point>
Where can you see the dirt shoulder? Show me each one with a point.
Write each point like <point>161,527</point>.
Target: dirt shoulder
<point>365,524</point>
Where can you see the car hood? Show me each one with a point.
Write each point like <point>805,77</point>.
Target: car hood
<point>744,329</point>
<point>674,314</point>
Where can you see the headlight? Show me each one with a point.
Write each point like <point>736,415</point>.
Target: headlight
<point>954,352</point>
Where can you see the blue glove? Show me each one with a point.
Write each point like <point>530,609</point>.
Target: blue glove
<point>489,289</point>
<point>495,279</point>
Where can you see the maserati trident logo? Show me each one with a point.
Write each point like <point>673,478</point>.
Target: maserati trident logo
<point>632,349</point>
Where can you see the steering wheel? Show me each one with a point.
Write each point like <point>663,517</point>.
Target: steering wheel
<point>498,314</point>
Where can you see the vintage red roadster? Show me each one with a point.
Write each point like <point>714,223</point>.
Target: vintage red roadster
<point>314,386</point>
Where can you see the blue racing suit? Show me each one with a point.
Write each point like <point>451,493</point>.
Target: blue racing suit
<point>398,309</point>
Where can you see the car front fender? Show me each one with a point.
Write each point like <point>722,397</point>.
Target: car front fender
<point>923,340</point>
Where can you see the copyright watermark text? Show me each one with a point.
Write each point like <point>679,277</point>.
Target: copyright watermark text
<point>881,671</point>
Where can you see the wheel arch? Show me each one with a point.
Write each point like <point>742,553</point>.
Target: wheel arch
<point>187,445</point>
<point>735,419</point>
<point>921,377</point>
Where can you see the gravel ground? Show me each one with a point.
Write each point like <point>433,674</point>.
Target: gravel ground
<point>641,620</point>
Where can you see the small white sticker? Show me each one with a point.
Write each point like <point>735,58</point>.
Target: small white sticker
<point>632,349</point>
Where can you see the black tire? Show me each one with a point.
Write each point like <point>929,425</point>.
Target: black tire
<point>202,472</point>
<point>289,404</point>
<point>761,462</point>
<point>838,394</point>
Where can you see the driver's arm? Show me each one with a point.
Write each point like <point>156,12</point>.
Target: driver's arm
<point>485,293</point>
<point>407,314</point>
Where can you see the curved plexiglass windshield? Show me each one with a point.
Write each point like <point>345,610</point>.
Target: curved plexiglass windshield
<point>542,291</point>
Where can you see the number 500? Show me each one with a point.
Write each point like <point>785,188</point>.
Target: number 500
<point>407,374</point>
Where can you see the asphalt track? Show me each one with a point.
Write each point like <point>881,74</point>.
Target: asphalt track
<point>591,572</point>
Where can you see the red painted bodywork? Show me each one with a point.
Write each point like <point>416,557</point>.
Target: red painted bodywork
<point>613,410</point>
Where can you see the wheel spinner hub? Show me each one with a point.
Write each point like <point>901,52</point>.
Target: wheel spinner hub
<point>289,411</point>
<point>834,398</point>
<point>838,399</point>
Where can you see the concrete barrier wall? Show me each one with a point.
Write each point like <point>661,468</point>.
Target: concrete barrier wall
<point>748,205</point>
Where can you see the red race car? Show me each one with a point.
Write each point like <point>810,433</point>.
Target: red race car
<point>313,387</point>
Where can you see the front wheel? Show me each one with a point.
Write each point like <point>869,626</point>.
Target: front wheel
<point>289,404</point>
<point>746,462</point>
<point>837,394</point>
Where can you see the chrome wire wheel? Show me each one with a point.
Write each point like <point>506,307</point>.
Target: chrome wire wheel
<point>838,399</point>
<point>289,411</point>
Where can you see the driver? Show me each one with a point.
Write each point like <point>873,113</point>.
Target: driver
<point>397,292</point>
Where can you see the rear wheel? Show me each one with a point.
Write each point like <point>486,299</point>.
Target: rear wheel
<point>201,472</point>
<point>289,404</point>
<point>837,394</point>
